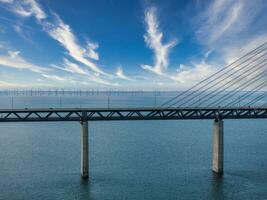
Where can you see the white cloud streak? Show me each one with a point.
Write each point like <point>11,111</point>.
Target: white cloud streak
<point>84,77</point>
<point>71,67</point>
<point>185,74</point>
<point>102,81</point>
<point>57,78</point>
<point>91,50</point>
<point>237,49</point>
<point>25,8</point>
<point>226,21</point>
<point>5,84</point>
<point>14,60</point>
<point>192,74</point>
<point>6,1</point>
<point>218,21</point>
<point>120,74</point>
<point>153,39</point>
<point>62,33</point>
<point>75,80</point>
<point>229,27</point>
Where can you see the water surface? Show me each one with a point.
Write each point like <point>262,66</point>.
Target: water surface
<point>128,159</point>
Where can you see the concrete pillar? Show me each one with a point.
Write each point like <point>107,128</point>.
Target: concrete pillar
<point>84,150</point>
<point>217,158</point>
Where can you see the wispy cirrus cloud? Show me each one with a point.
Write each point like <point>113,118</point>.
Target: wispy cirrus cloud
<point>71,67</point>
<point>218,21</point>
<point>91,50</point>
<point>14,60</point>
<point>187,74</point>
<point>25,32</point>
<point>228,27</point>
<point>58,78</point>
<point>224,24</point>
<point>233,51</point>
<point>153,39</point>
<point>84,80</point>
<point>5,84</point>
<point>195,71</point>
<point>6,1</point>
<point>192,74</point>
<point>120,74</point>
<point>25,8</point>
<point>62,33</point>
<point>98,79</point>
<point>84,75</point>
<point>56,28</point>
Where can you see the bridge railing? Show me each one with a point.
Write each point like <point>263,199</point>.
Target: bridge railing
<point>125,100</point>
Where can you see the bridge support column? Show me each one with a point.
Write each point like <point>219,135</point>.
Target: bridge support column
<point>84,150</point>
<point>217,158</point>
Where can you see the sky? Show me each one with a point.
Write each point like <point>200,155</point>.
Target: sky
<point>124,44</point>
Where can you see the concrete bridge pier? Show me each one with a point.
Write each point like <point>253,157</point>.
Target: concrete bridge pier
<point>217,157</point>
<point>84,150</point>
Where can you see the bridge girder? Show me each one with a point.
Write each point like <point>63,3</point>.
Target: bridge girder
<point>94,114</point>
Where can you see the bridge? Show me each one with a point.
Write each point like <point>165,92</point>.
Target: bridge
<point>236,91</point>
<point>153,113</point>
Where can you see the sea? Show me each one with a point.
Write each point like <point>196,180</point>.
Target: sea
<point>135,160</point>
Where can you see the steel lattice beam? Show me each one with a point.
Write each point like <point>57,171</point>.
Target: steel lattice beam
<point>100,114</point>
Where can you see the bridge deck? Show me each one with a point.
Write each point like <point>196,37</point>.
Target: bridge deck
<point>142,113</point>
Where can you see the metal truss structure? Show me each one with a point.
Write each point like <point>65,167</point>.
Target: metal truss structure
<point>100,114</point>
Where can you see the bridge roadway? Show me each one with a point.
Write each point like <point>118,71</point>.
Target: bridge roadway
<point>85,115</point>
<point>142,113</point>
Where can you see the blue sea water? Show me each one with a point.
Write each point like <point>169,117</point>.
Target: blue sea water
<point>128,159</point>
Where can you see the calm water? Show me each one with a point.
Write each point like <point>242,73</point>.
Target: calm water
<point>128,159</point>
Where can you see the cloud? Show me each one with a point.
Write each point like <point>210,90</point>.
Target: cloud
<point>58,78</point>
<point>17,28</point>
<point>14,60</point>
<point>153,39</point>
<point>25,8</point>
<point>230,28</point>
<point>72,80</point>
<point>24,32</point>
<point>192,74</point>
<point>239,48</point>
<point>235,50</point>
<point>120,74</point>
<point>6,1</point>
<point>71,67</point>
<point>91,47</point>
<point>102,81</point>
<point>185,74</point>
<point>59,31</point>
<point>62,33</point>
<point>225,27</point>
<point>218,20</point>
<point>84,78</point>
<point>4,84</point>
<point>2,30</point>
<point>223,22</point>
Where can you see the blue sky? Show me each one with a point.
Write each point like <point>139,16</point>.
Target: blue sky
<point>123,44</point>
